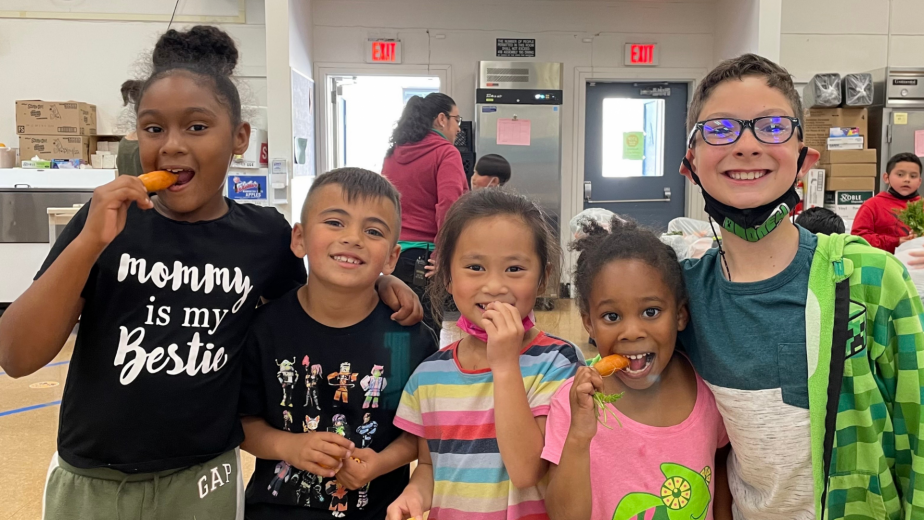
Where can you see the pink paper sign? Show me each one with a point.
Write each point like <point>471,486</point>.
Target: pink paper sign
<point>919,143</point>
<point>513,132</point>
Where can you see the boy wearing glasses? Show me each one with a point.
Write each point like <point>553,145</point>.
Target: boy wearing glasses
<point>812,345</point>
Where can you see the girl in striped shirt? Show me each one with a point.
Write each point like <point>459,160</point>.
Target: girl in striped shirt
<point>479,406</point>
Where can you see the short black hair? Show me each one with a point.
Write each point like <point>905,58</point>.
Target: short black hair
<point>821,220</point>
<point>625,240</point>
<point>903,157</point>
<point>358,183</point>
<point>739,68</point>
<point>206,52</point>
<point>493,165</point>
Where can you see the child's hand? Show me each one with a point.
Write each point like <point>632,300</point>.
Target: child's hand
<point>430,268</point>
<point>109,208</point>
<point>410,504</point>
<point>587,381</point>
<point>906,238</point>
<point>321,453</point>
<point>353,474</point>
<point>504,326</point>
<point>400,298</point>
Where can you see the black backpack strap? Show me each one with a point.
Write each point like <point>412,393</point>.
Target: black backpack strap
<point>840,337</point>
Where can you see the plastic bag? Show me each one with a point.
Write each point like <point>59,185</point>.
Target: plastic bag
<point>694,239</point>
<point>599,215</point>
<point>902,252</point>
<point>858,90</point>
<point>823,90</point>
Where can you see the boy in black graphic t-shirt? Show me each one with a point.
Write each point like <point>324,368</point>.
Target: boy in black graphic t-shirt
<point>335,453</point>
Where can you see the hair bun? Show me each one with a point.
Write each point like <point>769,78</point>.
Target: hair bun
<point>202,47</point>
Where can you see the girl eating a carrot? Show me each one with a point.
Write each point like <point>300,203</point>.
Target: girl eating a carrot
<point>636,433</point>
<point>479,406</point>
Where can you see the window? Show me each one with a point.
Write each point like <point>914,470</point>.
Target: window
<point>633,137</point>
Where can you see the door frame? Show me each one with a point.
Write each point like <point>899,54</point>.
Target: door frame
<point>323,71</point>
<point>584,75</point>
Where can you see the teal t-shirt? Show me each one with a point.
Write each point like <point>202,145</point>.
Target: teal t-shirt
<point>747,341</point>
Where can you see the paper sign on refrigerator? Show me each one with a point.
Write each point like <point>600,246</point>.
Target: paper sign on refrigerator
<point>513,132</point>
<point>919,143</point>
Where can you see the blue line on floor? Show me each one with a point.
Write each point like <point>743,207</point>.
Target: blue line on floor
<point>27,408</point>
<point>46,366</point>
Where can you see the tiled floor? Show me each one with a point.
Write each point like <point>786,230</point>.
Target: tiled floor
<point>29,419</point>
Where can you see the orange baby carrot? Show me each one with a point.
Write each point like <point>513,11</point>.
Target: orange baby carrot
<point>158,180</point>
<point>611,364</point>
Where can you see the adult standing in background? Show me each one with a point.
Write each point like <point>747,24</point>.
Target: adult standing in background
<point>426,167</point>
<point>128,160</point>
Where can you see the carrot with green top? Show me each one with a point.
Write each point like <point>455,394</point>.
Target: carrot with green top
<point>606,367</point>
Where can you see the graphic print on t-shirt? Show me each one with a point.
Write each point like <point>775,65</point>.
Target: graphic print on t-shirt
<point>344,381</point>
<point>683,496</point>
<point>202,357</point>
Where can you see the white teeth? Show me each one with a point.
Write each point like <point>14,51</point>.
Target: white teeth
<point>637,356</point>
<point>746,176</point>
<point>347,259</point>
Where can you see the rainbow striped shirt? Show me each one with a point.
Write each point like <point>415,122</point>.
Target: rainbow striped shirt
<point>454,410</point>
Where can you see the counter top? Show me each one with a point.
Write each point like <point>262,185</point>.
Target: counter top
<point>61,179</point>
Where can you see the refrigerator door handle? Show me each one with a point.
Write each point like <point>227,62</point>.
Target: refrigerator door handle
<point>587,197</point>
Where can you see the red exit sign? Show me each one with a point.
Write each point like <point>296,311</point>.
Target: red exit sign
<point>641,54</point>
<point>383,51</point>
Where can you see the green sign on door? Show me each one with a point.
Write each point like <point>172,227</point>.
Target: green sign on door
<point>633,146</point>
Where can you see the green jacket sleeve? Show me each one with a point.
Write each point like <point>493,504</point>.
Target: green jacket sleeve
<point>897,347</point>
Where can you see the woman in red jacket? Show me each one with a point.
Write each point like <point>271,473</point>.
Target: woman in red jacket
<point>426,167</point>
<point>876,221</point>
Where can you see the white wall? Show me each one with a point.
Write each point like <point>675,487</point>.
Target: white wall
<point>87,60</point>
<point>736,28</point>
<point>850,35</point>
<point>683,29</point>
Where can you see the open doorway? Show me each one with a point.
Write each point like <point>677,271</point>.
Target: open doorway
<point>365,110</point>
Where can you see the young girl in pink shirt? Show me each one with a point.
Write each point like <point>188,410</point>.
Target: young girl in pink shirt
<point>656,457</point>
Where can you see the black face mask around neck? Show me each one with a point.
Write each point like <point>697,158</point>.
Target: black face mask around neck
<point>899,196</point>
<point>751,224</point>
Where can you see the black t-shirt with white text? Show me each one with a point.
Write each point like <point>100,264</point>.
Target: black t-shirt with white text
<point>155,373</point>
<point>303,377</point>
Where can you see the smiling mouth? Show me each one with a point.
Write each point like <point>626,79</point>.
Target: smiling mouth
<point>184,176</point>
<point>746,175</point>
<point>639,363</point>
<point>347,260</point>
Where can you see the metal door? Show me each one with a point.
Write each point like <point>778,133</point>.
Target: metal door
<point>902,137</point>
<point>634,140</point>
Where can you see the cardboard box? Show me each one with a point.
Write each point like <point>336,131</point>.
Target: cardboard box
<point>55,118</point>
<point>843,132</point>
<point>849,183</point>
<point>818,122</point>
<point>848,157</point>
<point>49,147</point>
<point>813,189</point>
<point>845,143</point>
<point>850,170</point>
<point>846,203</point>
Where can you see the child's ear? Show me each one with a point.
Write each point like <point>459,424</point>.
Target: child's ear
<point>683,317</point>
<point>588,324</point>
<point>811,157</point>
<point>885,178</point>
<point>298,241</point>
<point>684,170</point>
<point>545,278</point>
<point>241,138</point>
<point>392,260</point>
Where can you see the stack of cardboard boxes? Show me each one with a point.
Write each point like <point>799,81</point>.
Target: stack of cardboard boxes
<point>56,131</point>
<point>841,135</point>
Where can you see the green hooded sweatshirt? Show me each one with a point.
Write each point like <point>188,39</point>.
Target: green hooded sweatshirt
<point>865,351</point>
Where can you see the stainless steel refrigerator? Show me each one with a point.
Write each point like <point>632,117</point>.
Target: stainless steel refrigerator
<point>896,120</point>
<point>518,116</point>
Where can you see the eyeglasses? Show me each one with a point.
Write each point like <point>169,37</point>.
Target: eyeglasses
<point>725,131</point>
<point>457,118</point>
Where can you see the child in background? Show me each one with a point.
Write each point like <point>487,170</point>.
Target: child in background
<point>783,318</point>
<point>165,287</point>
<point>479,406</point>
<point>876,221</point>
<point>821,220</point>
<point>490,171</point>
<point>336,327</point>
<point>633,303</point>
